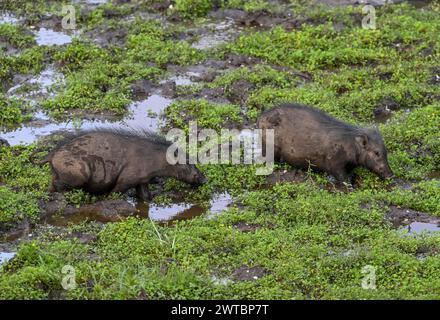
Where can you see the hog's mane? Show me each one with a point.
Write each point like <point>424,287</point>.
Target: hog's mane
<point>331,123</point>
<point>141,135</point>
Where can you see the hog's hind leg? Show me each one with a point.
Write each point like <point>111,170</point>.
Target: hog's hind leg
<point>69,172</point>
<point>122,185</point>
<point>143,192</point>
<point>63,182</point>
<point>344,179</point>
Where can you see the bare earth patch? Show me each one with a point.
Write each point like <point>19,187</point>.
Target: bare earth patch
<point>404,217</point>
<point>244,273</point>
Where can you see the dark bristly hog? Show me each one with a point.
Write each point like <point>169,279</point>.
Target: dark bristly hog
<point>306,136</point>
<point>103,161</point>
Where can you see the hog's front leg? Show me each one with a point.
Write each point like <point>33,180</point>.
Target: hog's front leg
<point>143,192</point>
<point>340,173</point>
<point>344,179</point>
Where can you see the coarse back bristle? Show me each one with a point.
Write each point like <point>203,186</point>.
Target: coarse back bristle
<point>141,134</point>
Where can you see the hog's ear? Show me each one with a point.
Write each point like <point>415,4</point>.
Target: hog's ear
<point>362,139</point>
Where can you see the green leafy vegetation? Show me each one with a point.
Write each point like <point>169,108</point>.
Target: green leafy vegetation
<point>29,61</point>
<point>208,115</point>
<point>148,42</point>
<point>15,36</point>
<point>33,10</point>
<point>25,184</point>
<point>13,111</point>
<point>99,80</point>
<point>193,8</point>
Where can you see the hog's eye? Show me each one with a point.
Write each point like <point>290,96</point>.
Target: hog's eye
<point>377,153</point>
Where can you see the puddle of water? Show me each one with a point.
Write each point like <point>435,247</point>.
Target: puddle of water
<point>220,33</point>
<point>29,133</point>
<point>47,78</point>
<point>44,81</point>
<point>219,203</point>
<point>7,17</point>
<point>182,79</point>
<point>183,76</point>
<point>6,256</point>
<point>184,211</point>
<point>142,114</point>
<point>145,113</point>
<point>82,216</point>
<point>178,211</point>
<point>420,227</point>
<point>158,213</point>
<point>48,37</point>
<point>210,41</point>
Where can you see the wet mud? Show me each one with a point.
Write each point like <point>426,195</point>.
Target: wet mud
<point>412,221</point>
<point>59,213</point>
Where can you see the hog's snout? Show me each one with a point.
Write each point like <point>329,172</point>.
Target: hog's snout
<point>387,176</point>
<point>200,179</point>
<point>203,180</point>
<point>385,173</point>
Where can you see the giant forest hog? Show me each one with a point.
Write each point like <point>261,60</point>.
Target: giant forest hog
<point>308,136</point>
<point>103,161</point>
